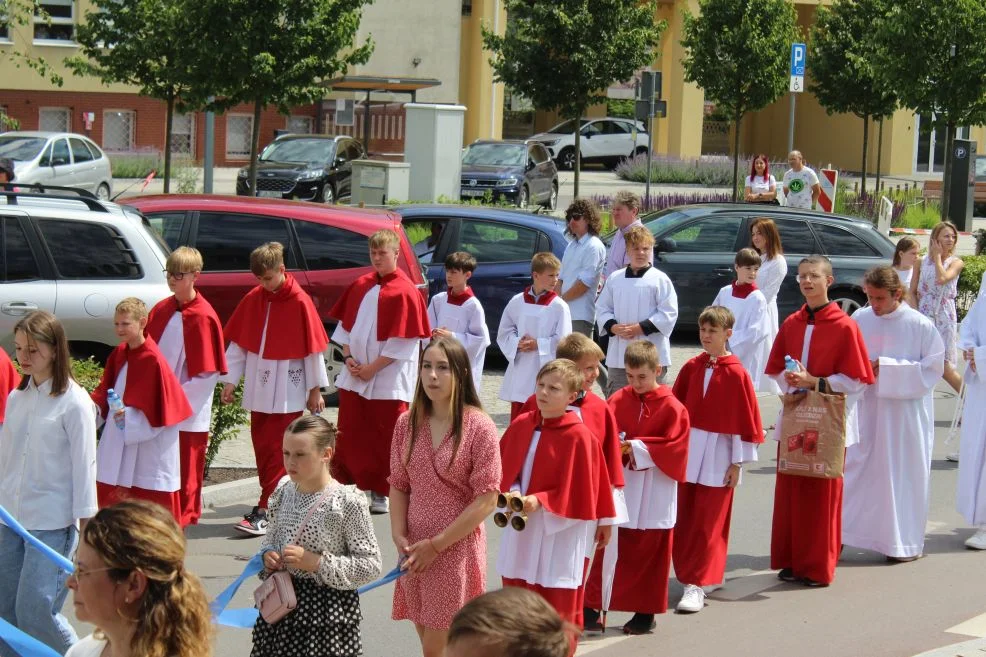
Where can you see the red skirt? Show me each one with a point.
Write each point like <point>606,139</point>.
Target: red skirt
<point>806,534</point>
<point>110,494</point>
<point>192,447</point>
<point>643,565</point>
<point>366,429</point>
<point>701,533</point>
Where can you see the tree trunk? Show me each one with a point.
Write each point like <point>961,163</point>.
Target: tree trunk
<point>254,145</point>
<point>879,155</point>
<point>866,139</point>
<point>169,118</point>
<point>737,119</point>
<point>946,187</point>
<point>578,154</point>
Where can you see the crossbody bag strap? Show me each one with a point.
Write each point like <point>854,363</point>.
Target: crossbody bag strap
<point>311,511</point>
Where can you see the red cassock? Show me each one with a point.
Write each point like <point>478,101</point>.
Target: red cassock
<point>366,426</point>
<point>640,582</point>
<point>806,534</point>
<point>10,378</point>
<point>728,406</point>
<point>204,354</point>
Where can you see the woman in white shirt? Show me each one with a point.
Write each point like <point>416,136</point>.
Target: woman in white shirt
<point>47,478</point>
<point>760,185</point>
<point>773,268</point>
<point>906,253</point>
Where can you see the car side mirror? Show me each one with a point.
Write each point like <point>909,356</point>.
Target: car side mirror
<point>586,135</point>
<point>339,161</point>
<point>666,245</point>
<point>530,165</point>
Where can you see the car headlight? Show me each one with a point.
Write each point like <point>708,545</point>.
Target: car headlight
<point>506,182</point>
<point>243,173</point>
<point>311,174</point>
<point>550,142</point>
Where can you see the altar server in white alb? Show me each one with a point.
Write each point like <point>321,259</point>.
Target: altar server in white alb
<point>636,302</point>
<point>457,313</point>
<point>532,324</point>
<point>885,494</point>
<point>749,341</point>
<point>971,499</point>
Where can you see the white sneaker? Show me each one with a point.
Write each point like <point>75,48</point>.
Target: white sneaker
<point>379,504</point>
<point>977,541</point>
<point>953,457</point>
<point>692,601</point>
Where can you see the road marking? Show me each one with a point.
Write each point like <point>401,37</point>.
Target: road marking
<point>599,644</point>
<point>973,627</point>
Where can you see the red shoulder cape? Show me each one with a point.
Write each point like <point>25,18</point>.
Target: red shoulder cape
<point>152,387</point>
<point>660,421</point>
<point>836,347</point>
<point>598,417</point>
<point>401,312</point>
<point>569,476</point>
<point>296,331</point>
<point>203,334</point>
<point>729,405</point>
<point>10,378</point>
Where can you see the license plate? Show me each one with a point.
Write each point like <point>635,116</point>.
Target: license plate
<point>268,194</point>
<point>473,192</point>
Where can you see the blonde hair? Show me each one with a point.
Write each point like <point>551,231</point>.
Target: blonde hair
<point>132,306</point>
<point>512,622</point>
<point>627,199</point>
<point>184,259</point>
<point>570,373</point>
<point>42,326</point>
<point>266,257</point>
<point>385,239</point>
<point>717,316</point>
<point>638,236</point>
<point>173,619</point>
<point>576,346</point>
<point>323,432</point>
<point>641,353</point>
<point>942,227</point>
<point>545,262</point>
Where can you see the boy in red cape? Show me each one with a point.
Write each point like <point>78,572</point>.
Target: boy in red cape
<point>9,379</point>
<point>283,368</point>
<point>554,462</point>
<point>806,534</point>
<point>637,562</point>
<point>382,319</point>
<point>725,433</point>
<point>140,458</point>
<point>190,336</point>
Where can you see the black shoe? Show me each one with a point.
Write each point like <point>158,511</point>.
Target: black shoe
<point>590,620</point>
<point>787,575</point>
<point>812,583</point>
<point>253,523</point>
<point>640,624</point>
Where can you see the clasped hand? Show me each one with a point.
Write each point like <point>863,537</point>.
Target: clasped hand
<point>293,556</point>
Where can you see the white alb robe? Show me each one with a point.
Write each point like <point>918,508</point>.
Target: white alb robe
<point>750,341</point>
<point>547,324</point>
<point>198,389</point>
<point>468,323</point>
<point>887,474</point>
<point>769,280</point>
<point>971,496</point>
<point>636,299</point>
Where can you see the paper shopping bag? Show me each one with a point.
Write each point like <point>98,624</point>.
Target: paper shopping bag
<point>813,435</point>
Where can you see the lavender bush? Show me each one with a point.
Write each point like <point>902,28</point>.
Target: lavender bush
<point>708,170</point>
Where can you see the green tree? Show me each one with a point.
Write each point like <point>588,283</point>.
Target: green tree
<point>563,54</point>
<point>280,53</point>
<point>843,69</point>
<point>19,16</point>
<point>143,43</point>
<point>933,54</point>
<point>739,53</point>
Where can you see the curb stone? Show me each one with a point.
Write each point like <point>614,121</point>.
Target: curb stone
<point>232,492</point>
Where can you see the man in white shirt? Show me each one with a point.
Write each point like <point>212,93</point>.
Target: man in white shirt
<point>582,264</point>
<point>801,188</point>
<point>626,206</point>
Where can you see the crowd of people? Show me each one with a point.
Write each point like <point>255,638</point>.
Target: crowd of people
<point>597,496</point>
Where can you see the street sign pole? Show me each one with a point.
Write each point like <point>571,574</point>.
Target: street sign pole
<point>790,123</point>
<point>650,150</point>
<point>799,55</point>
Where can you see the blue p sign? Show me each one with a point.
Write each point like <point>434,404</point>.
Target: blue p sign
<point>799,53</point>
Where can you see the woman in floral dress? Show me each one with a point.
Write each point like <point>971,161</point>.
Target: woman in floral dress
<point>935,283</point>
<point>444,477</point>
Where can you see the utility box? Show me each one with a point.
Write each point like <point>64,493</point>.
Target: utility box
<point>433,148</point>
<point>377,183</point>
<point>963,189</point>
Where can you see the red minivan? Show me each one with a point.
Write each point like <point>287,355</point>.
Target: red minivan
<point>325,247</point>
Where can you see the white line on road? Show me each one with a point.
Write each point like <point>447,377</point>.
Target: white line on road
<point>973,627</point>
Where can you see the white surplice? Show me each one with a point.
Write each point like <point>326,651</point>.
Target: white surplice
<point>630,298</point>
<point>468,323</point>
<point>751,339</point>
<point>711,454</point>
<point>887,474</point>
<point>769,280</point>
<point>198,389</point>
<point>547,324</point>
<point>971,495</point>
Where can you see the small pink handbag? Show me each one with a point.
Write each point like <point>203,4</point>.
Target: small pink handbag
<point>275,597</point>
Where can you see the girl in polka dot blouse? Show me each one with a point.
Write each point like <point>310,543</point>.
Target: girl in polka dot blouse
<point>336,553</point>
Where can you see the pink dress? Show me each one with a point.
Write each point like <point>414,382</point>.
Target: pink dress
<point>438,495</point>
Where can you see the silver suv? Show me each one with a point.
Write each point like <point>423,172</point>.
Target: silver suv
<point>58,158</point>
<point>64,251</point>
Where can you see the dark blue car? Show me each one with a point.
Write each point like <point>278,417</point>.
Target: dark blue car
<point>519,171</point>
<point>502,241</point>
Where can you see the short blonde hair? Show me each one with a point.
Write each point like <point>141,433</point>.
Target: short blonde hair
<point>570,373</point>
<point>576,346</point>
<point>512,622</point>
<point>266,257</point>
<point>627,199</point>
<point>132,306</point>
<point>641,353</point>
<point>638,236</point>
<point>545,262</point>
<point>384,239</point>
<point>717,316</point>
<point>184,259</point>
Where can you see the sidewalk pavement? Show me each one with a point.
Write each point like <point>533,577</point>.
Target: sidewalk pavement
<point>973,648</point>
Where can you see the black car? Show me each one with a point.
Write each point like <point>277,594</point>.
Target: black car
<point>696,245</point>
<point>517,170</point>
<point>304,167</point>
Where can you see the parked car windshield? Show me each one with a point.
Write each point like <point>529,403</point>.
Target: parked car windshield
<point>511,155</point>
<point>21,148</point>
<point>661,221</point>
<point>299,150</point>
<point>566,128</point>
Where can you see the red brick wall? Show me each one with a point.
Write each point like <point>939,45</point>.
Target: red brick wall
<point>149,114</point>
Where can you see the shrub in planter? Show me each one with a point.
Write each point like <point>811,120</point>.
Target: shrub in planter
<point>969,280</point>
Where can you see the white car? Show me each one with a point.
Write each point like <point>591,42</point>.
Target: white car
<point>607,141</point>
<point>58,158</point>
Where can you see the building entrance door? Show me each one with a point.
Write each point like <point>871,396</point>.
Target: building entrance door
<point>929,150</point>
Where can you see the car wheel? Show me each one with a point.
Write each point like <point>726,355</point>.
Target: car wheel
<point>522,197</point>
<point>334,365</point>
<point>850,302</point>
<point>328,194</point>
<point>641,150</point>
<point>566,159</point>
<point>103,192</point>
<point>552,203</point>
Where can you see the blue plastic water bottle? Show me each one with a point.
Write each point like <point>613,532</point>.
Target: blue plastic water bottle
<point>115,404</point>
<point>791,365</point>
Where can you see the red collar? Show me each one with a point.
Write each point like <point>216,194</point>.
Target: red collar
<point>742,291</point>
<point>459,299</point>
<point>544,299</point>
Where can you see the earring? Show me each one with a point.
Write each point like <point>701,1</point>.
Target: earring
<point>126,600</point>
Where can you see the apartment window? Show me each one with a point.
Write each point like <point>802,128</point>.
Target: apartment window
<point>4,29</point>
<point>6,123</point>
<point>467,7</point>
<point>55,20</point>
<point>118,130</point>
<point>54,119</point>
<point>183,134</point>
<point>300,125</point>
<point>239,130</point>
